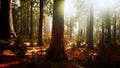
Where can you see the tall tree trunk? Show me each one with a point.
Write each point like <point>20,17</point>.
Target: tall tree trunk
<point>6,23</point>
<point>108,25</point>
<point>31,22</point>
<point>114,28</point>
<point>102,40</point>
<point>28,18</point>
<point>71,28</point>
<point>79,35</point>
<point>90,30</point>
<point>40,24</point>
<point>56,49</point>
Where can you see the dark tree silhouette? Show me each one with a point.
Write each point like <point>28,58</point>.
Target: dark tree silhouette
<point>56,49</point>
<point>40,24</point>
<point>114,28</point>
<point>108,22</point>
<point>102,40</point>
<point>6,23</point>
<point>31,20</point>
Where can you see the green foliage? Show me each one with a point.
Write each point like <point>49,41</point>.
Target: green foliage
<point>48,7</point>
<point>22,17</point>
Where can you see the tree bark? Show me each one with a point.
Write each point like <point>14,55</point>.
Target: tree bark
<point>71,28</point>
<point>90,30</point>
<point>108,25</point>
<point>31,21</point>
<point>102,40</point>
<point>6,23</point>
<point>114,28</point>
<point>56,50</point>
<point>40,24</point>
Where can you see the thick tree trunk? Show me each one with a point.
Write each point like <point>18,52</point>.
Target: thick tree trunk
<point>6,23</point>
<point>40,24</point>
<point>56,49</point>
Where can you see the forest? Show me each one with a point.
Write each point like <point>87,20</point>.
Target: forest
<point>59,34</point>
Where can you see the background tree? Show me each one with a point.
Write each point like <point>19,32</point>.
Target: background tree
<point>108,26</point>
<point>114,28</point>
<point>90,30</point>
<point>102,40</point>
<point>23,20</point>
<point>16,16</point>
<point>31,22</point>
<point>40,24</point>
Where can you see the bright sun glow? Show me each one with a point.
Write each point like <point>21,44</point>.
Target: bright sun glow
<point>103,4</point>
<point>69,9</point>
<point>83,6</point>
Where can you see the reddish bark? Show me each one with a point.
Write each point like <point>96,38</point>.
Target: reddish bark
<point>56,49</point>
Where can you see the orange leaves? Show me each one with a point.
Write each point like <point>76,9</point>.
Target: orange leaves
<point>75,54</point>
<point>78,54</point>
<point>3,65</point>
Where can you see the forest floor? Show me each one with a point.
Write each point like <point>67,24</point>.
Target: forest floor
<point>77,58</point>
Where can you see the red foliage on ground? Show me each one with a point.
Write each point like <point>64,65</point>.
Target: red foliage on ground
<point>6,61</point>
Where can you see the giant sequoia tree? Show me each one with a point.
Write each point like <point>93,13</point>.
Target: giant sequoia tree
<point>6,23</point>
<point>56,49</point>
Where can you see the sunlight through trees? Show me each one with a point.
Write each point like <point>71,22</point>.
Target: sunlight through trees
<point>73,33</point>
